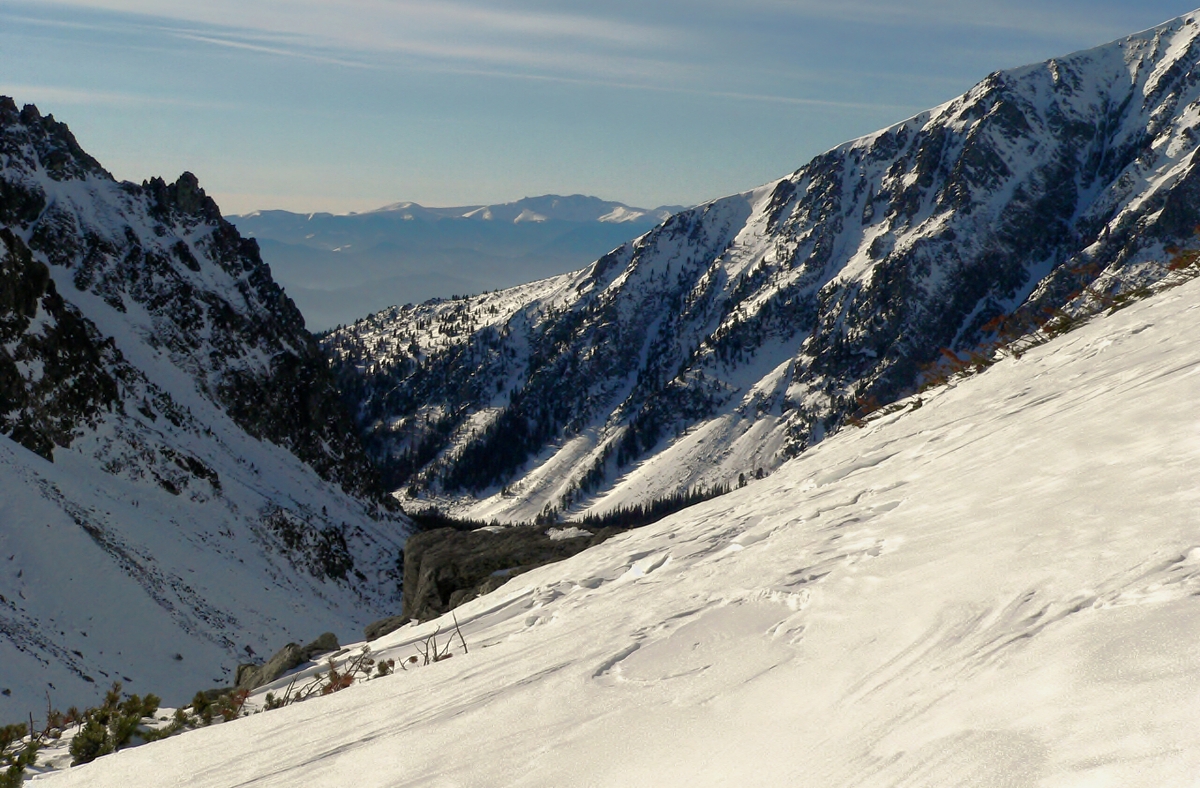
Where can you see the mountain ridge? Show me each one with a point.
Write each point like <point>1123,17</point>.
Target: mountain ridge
<point>559,207</point>
<point>737,333</point>
<point>180,479</point>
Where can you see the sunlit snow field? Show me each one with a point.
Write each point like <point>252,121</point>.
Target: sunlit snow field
<point>995,589</point>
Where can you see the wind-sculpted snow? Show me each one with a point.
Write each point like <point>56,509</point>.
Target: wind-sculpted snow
<point>741,332</point>
<point>997,588</point>
<point>177,470</point>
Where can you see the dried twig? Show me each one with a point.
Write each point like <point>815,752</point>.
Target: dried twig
<point>460,634</point>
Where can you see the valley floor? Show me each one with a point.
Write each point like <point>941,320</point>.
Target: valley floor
<point>999,588</point>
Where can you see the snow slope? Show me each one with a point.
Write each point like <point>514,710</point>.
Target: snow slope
<point>739,333</point>
<point>997,588</point>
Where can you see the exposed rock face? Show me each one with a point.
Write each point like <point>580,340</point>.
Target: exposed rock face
<point>291,656</point>
<point>383,626</point>
<point>178,471</point>
<point>444,568</point>
<point>251,676</point>
<point>244,344</point>
<point>737,333</point>
<point>76,383</point>
<point>325,643</point>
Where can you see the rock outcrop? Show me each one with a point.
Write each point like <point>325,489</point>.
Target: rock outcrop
<point>251,676</point>
<point>444,568</point>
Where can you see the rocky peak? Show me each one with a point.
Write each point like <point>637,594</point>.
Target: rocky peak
<point>174,429</point>
<point>184,198</point>
<point>51,142</point>
<point>196,288</point>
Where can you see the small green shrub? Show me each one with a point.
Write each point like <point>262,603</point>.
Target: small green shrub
<point>202,707</point>
<point>178,723</point>
<point>231,704</point>
<point>15,763</point>
<point>12,733</point>
<point>111,726</point>
<point>271,702</point>
<point>90,743</point>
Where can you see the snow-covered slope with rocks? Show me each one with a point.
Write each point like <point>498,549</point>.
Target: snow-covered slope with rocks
<point>998,588</point>
<point>341,267</point>
<point>740,332</point>
<point>179,485</point>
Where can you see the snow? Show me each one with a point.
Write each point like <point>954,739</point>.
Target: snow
<point>570,532</point>
<point>826,234</point>
<point>998,588</point>
<point>528,216</point>
<point>120,560</point>
<point>106,575</point>
<point>622,214</point>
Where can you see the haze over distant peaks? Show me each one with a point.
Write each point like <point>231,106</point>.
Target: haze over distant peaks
<point>548,207</point>
<point>339,268</point>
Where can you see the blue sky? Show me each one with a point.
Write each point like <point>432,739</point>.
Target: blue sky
<point>344,105</point>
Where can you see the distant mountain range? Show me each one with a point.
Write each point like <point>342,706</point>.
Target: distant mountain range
<point>738,333</point>
<point>338,268</point>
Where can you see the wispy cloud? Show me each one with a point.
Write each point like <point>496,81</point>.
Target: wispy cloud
<point>372,33</point>
<point>66,96</point>
<point>764,98</point>
<point>442,97</point>
<point>1087,19</point>
<point>455,29</point>
<point>266,49</point>
<point>460,16</point>
<point>363,21</point>
<point>680,46</point>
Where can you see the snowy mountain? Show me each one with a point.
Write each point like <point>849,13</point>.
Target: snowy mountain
<point>339,268</point>
<point>996,589</point>
<point>739,333</point>
<point>180,485</point>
